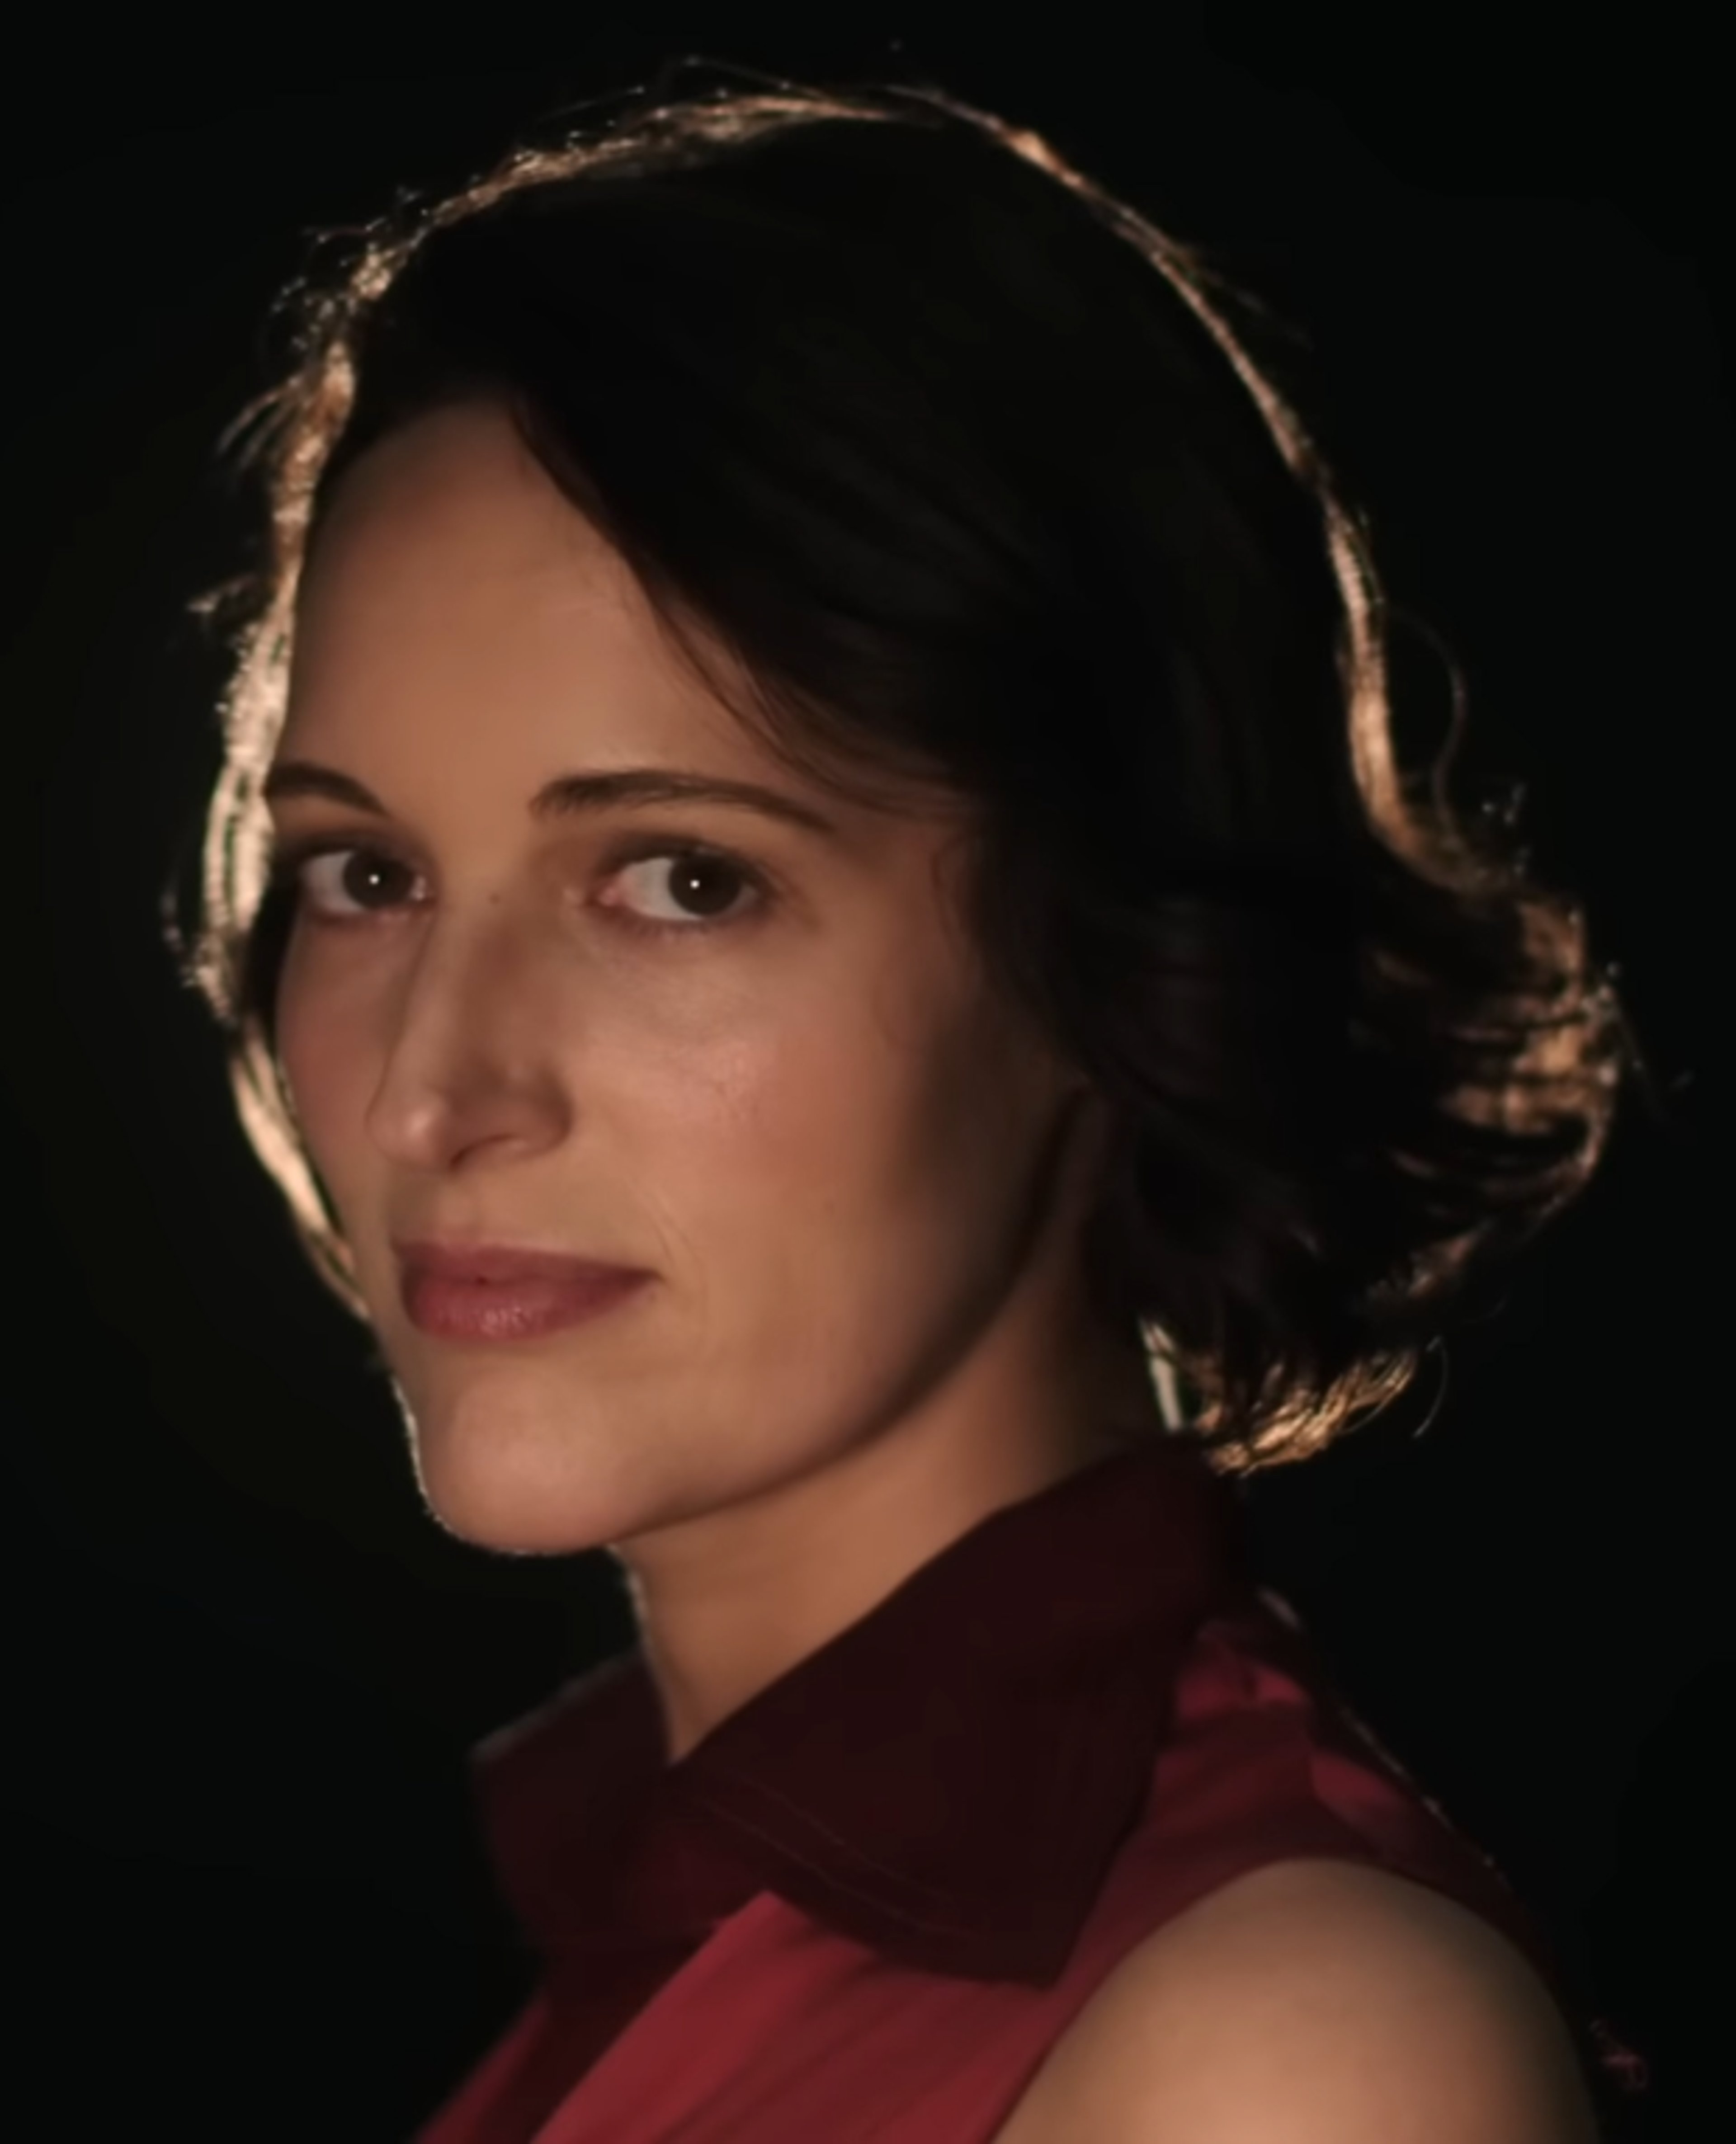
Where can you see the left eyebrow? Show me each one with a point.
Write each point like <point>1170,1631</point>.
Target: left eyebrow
<point>571,793</point>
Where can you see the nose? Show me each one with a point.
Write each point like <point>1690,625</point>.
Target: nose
<point>461,1068</point>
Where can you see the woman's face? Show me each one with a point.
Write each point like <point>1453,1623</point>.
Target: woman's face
<point>805,1118</point>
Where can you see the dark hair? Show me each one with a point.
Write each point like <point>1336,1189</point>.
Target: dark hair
<point>963,462</point>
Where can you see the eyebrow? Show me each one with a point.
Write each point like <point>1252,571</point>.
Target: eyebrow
<point>569,794</point>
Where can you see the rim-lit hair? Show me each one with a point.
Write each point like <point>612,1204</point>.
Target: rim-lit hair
<point>963,465</point>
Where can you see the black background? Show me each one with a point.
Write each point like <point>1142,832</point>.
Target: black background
<point>245,1666</point>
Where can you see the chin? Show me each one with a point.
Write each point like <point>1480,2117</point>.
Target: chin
<point>501,1533</point>
<point>513,1495</point>
<point>484,1517</point>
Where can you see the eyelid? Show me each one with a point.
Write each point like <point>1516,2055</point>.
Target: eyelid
<point>292,854</point>
<point>289,855</point>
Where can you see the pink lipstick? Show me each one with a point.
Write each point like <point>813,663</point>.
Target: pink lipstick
<point>491,1291</point>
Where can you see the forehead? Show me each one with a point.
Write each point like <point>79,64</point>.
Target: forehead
<point>448,567</point>
<point>458,482</point>
<point>461,624</point>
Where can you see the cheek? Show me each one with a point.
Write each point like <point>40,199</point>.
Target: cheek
<point>322,1047</point>
<point>796,1122</point>
<point>833,1132</point>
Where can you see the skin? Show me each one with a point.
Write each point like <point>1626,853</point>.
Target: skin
<point>858,1177</point>
<point>1314,2001</point>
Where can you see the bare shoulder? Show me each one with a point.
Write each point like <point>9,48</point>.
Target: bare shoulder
<point>1315,2002</point>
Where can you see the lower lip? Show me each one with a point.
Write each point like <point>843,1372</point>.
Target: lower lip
<point>511,1310</point>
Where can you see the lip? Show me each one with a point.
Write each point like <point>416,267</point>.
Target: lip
<point>505,1264</point>
<point>493,1291</point>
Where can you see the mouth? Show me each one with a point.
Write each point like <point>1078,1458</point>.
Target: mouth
<point>461,1306</point>
<point>507,1264</point>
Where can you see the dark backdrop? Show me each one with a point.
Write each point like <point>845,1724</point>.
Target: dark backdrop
<point>244,1667</point>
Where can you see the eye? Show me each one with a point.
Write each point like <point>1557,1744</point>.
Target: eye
<point>341,884</point>
<point>690,877</point>
<point>324,878</point>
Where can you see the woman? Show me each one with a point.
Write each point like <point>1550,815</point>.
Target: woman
<point>815,916</point>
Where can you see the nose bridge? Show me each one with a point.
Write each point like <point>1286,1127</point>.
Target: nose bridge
<point>453,1033</point>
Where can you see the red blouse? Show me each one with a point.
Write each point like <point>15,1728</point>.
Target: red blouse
<point>867,1903</point>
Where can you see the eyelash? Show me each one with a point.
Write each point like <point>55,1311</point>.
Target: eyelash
<point>289,863</point>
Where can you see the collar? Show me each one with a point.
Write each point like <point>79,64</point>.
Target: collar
<point>946,1780</point>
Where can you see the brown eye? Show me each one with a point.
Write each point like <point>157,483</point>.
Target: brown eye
<point>686,888</point>
<point>341,884</point>
<point>694,889</point>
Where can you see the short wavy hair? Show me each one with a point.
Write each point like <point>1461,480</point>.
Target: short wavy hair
<point>969,468</point>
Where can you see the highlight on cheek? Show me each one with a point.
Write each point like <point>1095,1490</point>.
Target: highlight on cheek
<point>333,886</point>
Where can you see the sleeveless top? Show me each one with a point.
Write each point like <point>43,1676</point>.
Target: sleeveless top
<point>867,1905</point>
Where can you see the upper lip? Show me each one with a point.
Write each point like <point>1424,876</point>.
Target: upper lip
<point>502,1262</point>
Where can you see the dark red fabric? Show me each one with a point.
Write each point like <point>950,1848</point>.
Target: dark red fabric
<point>945,1786</point>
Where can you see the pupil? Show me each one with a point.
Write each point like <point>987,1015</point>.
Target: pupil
<point>363,874</point>
<point>696,868</point>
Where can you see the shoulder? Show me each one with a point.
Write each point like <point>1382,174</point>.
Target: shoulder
<point>1315,2002</point>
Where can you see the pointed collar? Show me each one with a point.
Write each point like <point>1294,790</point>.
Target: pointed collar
<point>945,1780</point>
